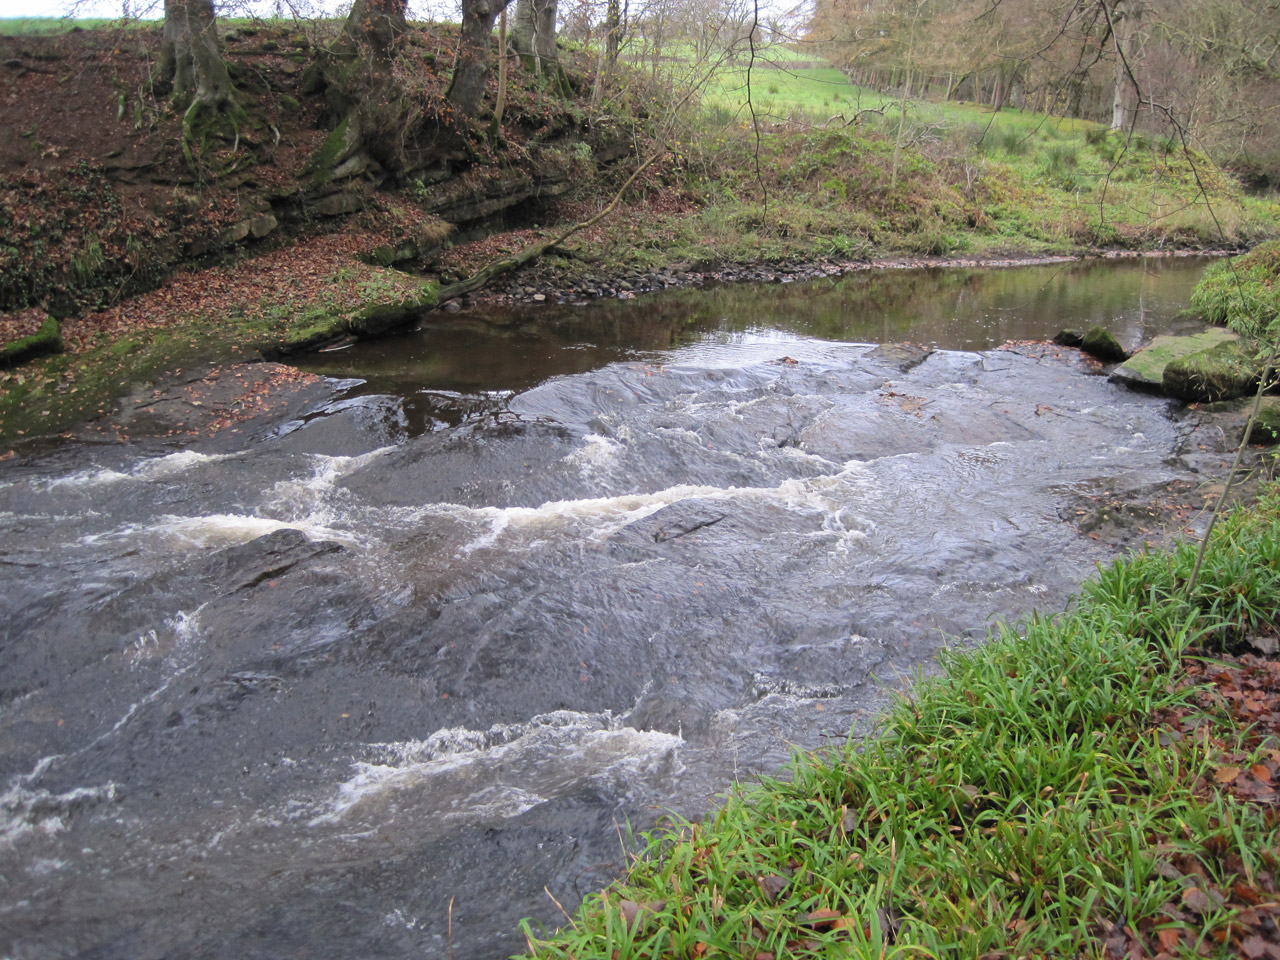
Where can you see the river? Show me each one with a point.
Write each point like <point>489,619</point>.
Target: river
<point>386,676</point>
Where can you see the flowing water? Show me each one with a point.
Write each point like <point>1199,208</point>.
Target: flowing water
<point>375,681</point>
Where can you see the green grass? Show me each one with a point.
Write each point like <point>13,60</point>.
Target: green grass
<point>26,26</point>
<point>1022,803</point>
<point>966,179</point>
<point>1243,293</point>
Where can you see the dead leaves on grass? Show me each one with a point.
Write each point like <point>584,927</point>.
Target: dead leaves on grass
<point>1242,911</point>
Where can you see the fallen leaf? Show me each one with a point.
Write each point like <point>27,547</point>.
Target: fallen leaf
<point>822,917</point>
<point>772,886</point>
<point>1194,899</point>
<point>1169,938</point>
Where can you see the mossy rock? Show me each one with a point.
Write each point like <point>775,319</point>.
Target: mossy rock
<point>313,332</point>
<point>1223,372</point>
<point>46,340</point>
<point>1145,369</point>
<point>1100,343</point>
<point>382,318</point>
<point>374,320</point>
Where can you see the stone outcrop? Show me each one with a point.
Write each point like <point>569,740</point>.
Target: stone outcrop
<point>1145,369</point>
<point>1225,371</point>
<point>46,340</point>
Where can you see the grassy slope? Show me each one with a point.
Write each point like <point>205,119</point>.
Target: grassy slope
<point>965,181</point>
<point>1055,792</point>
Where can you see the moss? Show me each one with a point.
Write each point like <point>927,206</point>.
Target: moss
<point>1146,368</point>
<point>1101,343</point>
<point>123,347</point>
<point>1223,372</point>
<point>1266,430</point>
<point>46,340</point>
<point>336,148</point>
<point>381,318</point>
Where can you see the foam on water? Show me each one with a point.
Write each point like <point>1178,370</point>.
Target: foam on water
<point>597,453</point>
<point>468,772</point>
<point>216,530</point>
<point>155,468</point>
<point>839,499</point>
<point>26,809</point>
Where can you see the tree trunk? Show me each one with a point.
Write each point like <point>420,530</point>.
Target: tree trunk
<point>495,125</point>
<point>1124,17</point>
<point>534,38</point>
<point>613,32</point>
<point>534,32</point>
<point>374,27</point>
<point>190,60</point>
<point>1000,93</point>
<point>475,51</point>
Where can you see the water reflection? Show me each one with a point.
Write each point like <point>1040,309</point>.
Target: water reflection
<point>512,349</point>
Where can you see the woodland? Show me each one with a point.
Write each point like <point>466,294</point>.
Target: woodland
<point>219,186</point>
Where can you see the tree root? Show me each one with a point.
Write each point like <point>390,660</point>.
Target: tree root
<point>217,108</point>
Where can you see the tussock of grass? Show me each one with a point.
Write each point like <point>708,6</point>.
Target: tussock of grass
<point>1243,293</point>
<point>1022,803</point>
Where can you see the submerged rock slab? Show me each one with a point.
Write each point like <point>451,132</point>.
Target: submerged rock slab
<point>1145,369</point>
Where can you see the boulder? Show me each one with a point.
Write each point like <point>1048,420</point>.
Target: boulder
<point>336,204</point>
<point>262,225</point>
<point>1101,344</point>
<point>904,356</point>
<point>1145,369</point>
<point>1069,338</point>
<point>234,233</point>
<point>1222,372</point>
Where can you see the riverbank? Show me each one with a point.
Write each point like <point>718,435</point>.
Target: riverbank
<point>313,293</point>
<point>1101,783</point>
<point>137,265</point>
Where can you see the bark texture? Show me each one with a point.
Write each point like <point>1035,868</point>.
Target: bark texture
<point>374,28</point>
<point>475,55</point>
<point>190,59</point>
<point>613,19</point>
<point>534,33</point>
<point>1125,16</point>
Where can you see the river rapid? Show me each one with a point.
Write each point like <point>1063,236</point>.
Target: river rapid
<point>383,677</point>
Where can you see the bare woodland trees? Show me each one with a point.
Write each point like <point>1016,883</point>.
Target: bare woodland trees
<point>1210,67</point>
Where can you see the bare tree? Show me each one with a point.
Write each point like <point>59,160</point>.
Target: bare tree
<point>191,60</point>
<point>475,54</point>
<point>534,32</point>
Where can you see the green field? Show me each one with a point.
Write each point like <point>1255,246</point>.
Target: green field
<point>20,26</point>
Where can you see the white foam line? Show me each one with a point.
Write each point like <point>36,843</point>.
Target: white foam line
<point>816,495</point>
<point>219,529</point>
<point>599,740</point>
<point>155,468</point>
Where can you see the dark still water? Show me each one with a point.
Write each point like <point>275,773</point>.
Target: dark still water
<point>521,582</point>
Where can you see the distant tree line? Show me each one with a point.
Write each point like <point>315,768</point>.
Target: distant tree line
<point>1205,69</point>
